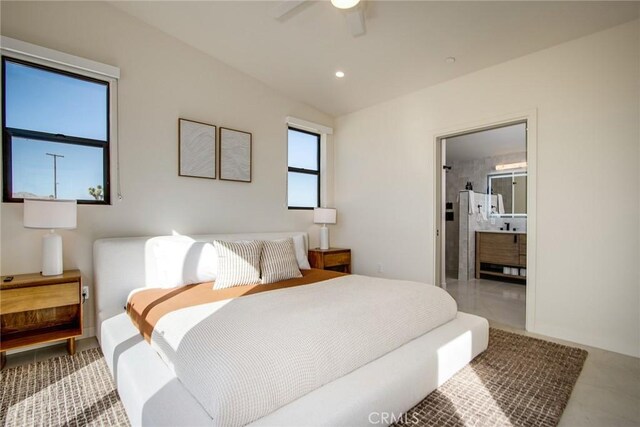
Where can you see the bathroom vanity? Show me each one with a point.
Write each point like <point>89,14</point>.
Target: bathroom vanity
<point>499,251</point>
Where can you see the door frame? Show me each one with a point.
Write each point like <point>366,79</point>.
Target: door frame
<point>530,117</point>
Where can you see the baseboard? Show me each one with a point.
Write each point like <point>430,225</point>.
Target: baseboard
<point>572,337</point>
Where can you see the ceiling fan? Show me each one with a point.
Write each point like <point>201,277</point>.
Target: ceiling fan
<point>353,12</point>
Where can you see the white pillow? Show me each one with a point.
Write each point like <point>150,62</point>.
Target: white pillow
<point>238,263</point>
<point>179,260</point>
<point>278,261</point>
<point>301,252</point>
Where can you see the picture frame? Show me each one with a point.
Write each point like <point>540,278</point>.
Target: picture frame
<point>197,149</point>
<point>235,155</point>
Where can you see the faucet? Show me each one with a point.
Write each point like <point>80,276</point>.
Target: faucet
<point>507,224</point>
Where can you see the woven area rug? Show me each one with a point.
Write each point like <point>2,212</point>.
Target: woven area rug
<point>62,391</point>
<point>518,381</point>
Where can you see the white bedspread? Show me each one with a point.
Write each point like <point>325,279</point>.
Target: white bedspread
<point>244,358</point>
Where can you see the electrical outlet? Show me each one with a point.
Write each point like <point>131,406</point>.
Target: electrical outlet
<point>85,292</point>
<point>380,268</point>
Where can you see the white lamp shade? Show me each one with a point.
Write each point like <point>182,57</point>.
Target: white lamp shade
<point>324,216</point>
<point>50,213</point>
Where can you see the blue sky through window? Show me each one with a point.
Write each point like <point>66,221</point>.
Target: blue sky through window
<point>49,102</point>
<point>79,169</point>
<point>303,154</point>
<point>46,101</point>
<point>303,150</point>
<point>303,190</point>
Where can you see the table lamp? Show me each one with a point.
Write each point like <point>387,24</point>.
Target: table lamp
<point>324,216</point>
<point>50,214</point>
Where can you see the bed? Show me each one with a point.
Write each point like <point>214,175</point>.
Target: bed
<point>154,391</point>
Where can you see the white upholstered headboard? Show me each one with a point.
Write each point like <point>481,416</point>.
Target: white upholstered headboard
<point>126,263</point>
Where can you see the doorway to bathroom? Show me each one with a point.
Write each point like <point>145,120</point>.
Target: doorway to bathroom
<point>483,257</point>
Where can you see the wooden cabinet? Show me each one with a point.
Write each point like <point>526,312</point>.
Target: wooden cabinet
<point>336,259</point>
<point>497,250</point>
<point>36,309</point>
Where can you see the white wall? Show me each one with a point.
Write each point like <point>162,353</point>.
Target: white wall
<point>586,93</point>
<point>162,80</point>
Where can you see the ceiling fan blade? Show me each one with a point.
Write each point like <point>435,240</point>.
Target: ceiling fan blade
<point>283,7</point>
<point>355,21</point>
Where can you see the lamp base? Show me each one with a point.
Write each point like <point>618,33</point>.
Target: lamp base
<point>324,237</point>
<point>51,254</point>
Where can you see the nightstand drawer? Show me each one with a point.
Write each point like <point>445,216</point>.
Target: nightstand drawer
<point>39,297</point>
<point>337,259</point>
<point>331,260</point>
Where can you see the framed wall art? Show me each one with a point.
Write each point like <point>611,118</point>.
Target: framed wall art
<point>235,155</point>
<point>197,149</point>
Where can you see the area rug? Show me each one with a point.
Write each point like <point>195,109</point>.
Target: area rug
<point>518,381</point>
<point>62,391</point>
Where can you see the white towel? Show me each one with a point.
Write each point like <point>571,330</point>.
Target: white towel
<point>473,207</point>
<point>500,204</point>
<point>484,207</point>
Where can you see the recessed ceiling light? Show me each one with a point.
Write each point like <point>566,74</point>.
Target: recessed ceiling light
<point>339,74</point>
<point>344,4</point>
<point>450,60</point>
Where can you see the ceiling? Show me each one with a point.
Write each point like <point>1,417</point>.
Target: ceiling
<point>403,50</point>
<point>488,143</point>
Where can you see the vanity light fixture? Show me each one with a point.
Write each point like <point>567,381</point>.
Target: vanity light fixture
<point>507,166</point>
<point>339,74</point>
<point>344,4</point>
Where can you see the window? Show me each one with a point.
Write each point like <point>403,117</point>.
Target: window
<point>304,169</point>
<point>55,134</point>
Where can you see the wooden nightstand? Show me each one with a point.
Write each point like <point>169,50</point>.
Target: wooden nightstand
<point>36,309</point>
<point>336,259</point>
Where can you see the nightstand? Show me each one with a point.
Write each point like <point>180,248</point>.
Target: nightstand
<point>36,309</point>
<point>336,259</point>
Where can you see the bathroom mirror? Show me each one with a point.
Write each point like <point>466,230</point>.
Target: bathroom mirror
<point>513,188</point>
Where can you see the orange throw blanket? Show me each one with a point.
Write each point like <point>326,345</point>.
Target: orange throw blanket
<point>147,306</point>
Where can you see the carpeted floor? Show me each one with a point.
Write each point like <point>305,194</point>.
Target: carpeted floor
<point>518,381</point>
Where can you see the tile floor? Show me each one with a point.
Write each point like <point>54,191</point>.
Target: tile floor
<point>498,301</point>
<point>607,393</point>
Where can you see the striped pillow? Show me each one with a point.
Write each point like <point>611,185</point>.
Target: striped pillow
<point>278,261</point>
<point>238,263</point>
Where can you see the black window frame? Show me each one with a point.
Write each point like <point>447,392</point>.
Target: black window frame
<point>9,133</point>
<point>303,170</point>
